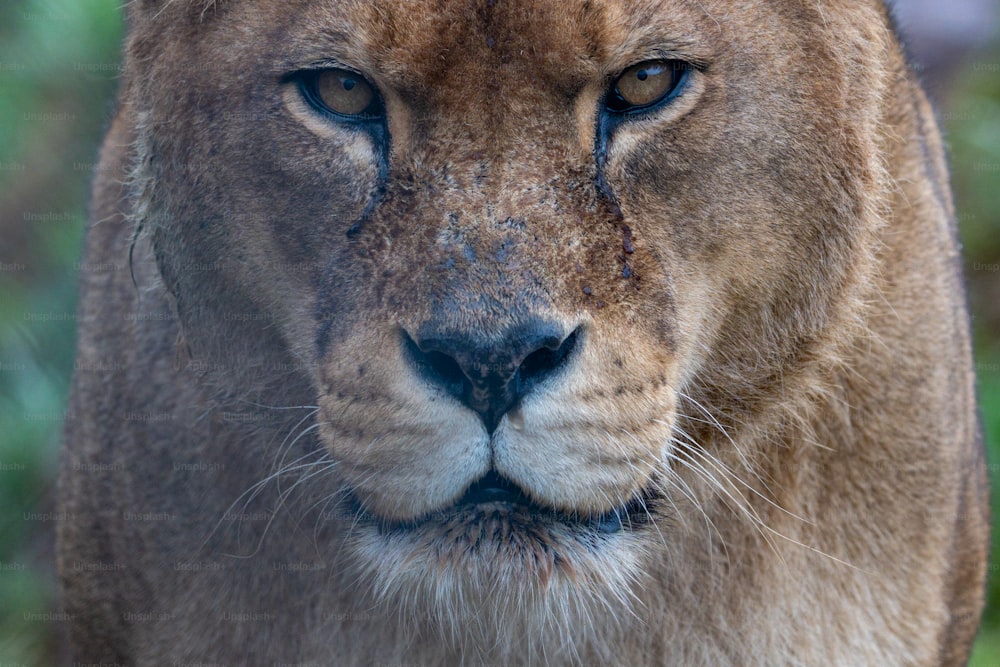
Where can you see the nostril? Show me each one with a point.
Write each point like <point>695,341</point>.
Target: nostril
<point>447,369</point>
<point>437,367</point>
<point>544,361</point>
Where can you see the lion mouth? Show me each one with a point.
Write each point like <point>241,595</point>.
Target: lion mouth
<point>493,488</point>
<point>494,498</point>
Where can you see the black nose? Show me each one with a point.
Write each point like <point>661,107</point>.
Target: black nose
<point>490,374</point>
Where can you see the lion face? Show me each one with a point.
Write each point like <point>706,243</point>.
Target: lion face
<point>523,245</point>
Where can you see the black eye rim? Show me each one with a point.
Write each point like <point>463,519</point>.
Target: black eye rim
<point>617,106</point>
<point>308,82</point>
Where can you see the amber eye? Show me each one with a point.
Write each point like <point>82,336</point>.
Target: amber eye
<point>343,93</point>
<point>645,85</point>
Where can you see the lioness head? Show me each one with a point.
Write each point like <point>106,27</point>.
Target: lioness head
<point>544,262</point>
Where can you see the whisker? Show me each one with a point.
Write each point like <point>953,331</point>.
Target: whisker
<point>278,470</point>
<point>278,450</point>
<point>734,501</point>
<point>685,489</point>
<point>712,421</point>
<point>700,451</point>
<point>255,489</point>
<point>324,467</point>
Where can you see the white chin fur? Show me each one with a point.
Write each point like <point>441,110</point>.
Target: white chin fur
<point>506,601</point>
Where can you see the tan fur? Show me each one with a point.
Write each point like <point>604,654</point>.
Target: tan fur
<point>775,346</point>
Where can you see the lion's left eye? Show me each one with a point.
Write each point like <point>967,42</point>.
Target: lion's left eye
<point>645,85</point>
<point>342,93</point>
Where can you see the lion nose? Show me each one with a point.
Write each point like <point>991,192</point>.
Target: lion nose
<point>491,374</point>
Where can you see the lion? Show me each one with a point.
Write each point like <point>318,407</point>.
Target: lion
<point>576,332</point>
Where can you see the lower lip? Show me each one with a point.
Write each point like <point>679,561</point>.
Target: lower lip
<point>523,514</point>
<point>493,504</point>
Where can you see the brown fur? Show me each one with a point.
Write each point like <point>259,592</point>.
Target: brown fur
<point>776,347</point>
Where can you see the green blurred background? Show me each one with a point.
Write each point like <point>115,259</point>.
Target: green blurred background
<point>58,74</point>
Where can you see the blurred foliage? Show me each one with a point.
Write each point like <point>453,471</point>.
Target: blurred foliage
<point>57,79</point>
<point>972,120</point>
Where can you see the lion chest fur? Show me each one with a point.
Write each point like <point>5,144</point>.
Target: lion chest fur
<point>509,364</point>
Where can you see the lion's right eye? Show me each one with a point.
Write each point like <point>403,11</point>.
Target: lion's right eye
<point>342,93</point>
<point>646,85</point>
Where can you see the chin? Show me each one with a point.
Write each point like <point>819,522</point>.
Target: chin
<point>497,569</point>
